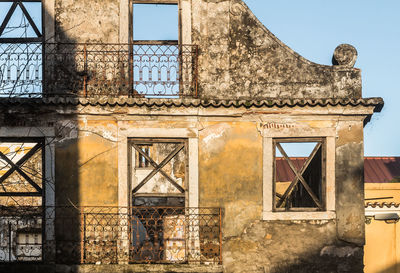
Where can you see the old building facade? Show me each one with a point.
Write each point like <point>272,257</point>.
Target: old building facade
<point>164,156</point>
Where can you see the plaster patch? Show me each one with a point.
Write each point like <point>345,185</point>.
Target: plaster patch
<point>214,135</point>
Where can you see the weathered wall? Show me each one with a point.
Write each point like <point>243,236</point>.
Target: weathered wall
<point>230,176</point>
<point>84,21</point>
<point>290,246</point>
<point>350,181</point>
<point>86,163</point>
<point>240,58</point>
<point>230,172</point>
<point>230,167</point>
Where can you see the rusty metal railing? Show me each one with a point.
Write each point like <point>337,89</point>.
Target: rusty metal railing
<point>110,235</point>
<point>141,70</point>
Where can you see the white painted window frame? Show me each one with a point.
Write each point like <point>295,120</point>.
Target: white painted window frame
<point>268,157</point>
<point>48,134</point>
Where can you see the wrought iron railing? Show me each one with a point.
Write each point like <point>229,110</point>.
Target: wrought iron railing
<point>21,234</point>
<point>141,70</point>
<point>111,235</point>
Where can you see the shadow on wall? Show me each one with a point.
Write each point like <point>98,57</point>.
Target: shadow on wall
<point>391,269</point>
<point>318,261</point>
<point>28,112</point>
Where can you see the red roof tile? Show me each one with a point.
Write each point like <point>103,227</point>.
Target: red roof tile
<point>376,169</point>
<point>381,169</point>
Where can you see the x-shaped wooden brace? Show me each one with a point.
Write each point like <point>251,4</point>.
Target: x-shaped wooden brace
<point>17,167</point>
<point>25,12</point>
<point>158,167</point>
<point>298,176</point>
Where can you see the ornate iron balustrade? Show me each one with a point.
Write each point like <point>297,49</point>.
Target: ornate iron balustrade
<point>142,70</point>
<point>111,235</point>
<point>21,234</point>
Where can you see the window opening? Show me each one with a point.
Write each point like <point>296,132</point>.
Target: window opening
<point>157,55</point>
<point>21,37</point>
<point>155,22</point>
<point>158,225</point>
<point>21,194</point>
<point>299,174</point>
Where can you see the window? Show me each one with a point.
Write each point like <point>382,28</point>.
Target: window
<point>298,172</point>
<point>155,22</point>
<point>160,168</point>
<point>162,228</point>
<point>163,66</point>
<point>158,200</point>
<point>21,196</point>
<point>141,160</point>
<point>299,182</point>
<point>21,39</point>
<point>26,193</point>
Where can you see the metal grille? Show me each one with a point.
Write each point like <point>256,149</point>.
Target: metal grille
<point>109,235</point>
<point>21,234</point>
<point>141,70</point>
<point>175,235</point>
<point>21,70</point>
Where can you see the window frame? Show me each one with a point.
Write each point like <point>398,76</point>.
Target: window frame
<point>40,33</point>
<point>48,187</point>
<point>155,2</point>
<point>271,131</point>
<point>322,198</point>
<point>134,167</point>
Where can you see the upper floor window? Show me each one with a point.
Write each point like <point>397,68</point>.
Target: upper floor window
<point>21,21</point>
<point>21,37</point>
<point>161,66</point>
<point>155,22</point>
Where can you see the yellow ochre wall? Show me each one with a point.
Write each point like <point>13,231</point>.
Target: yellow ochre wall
<point>230,172</point>
<point>87,165</point>
<point>382,248</point>
<point>230,166</point>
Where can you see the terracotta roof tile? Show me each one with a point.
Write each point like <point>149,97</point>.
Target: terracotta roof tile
<point>382,205</point>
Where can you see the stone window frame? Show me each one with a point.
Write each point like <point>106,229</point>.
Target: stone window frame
<point>135,167</point>
<point>124,134</point>
<point>48,133</point>
<point>293,131</point>
<point>127,132</point>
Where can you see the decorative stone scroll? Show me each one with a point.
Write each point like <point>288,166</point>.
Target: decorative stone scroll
<point>345,55</point>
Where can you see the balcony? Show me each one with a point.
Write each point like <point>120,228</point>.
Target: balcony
<point>112,235</point>
<point>166,70</point>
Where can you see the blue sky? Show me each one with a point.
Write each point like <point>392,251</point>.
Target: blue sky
<point>314,28</point>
